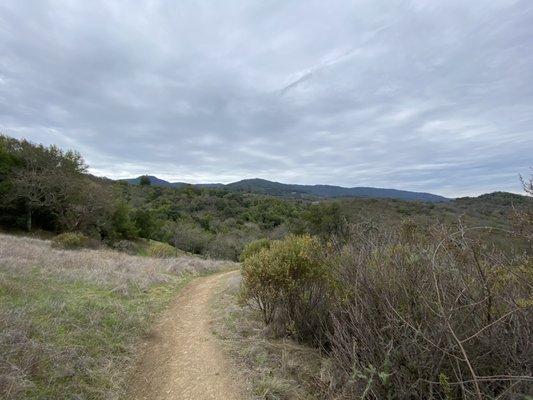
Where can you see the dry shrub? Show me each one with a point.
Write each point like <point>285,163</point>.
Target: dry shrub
<point>127,246</point>
<point>445,316</point>
<point>408,312</point>
<point>225,246</point>
<point>71,240</point>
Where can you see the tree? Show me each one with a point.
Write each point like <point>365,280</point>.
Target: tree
<point>324,219</point>
<point>145,180</point>
<point>527,184</point>
<point>41,178</point>
<point>122,221</point>
<point>146,222</point>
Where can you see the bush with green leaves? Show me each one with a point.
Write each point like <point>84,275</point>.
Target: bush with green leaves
<point>290,284</point>
<point>146,222</point>
<point>123,226</point>
<point>254,247</point>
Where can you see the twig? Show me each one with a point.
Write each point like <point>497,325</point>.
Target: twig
<point>489,325</point>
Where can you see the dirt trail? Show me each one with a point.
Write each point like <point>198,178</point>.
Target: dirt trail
<point>182,359</point>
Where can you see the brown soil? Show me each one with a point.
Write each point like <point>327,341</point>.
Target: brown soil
<point>182,359</point>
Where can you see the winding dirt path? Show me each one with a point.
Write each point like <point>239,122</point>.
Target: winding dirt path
<point>182,359</point>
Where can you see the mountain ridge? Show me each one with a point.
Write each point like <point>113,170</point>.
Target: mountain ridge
<point>263,186</point>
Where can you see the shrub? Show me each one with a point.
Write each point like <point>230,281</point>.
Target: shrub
<point>146,223</point>
<point>122,224</point>
<point>126,246</point>
<point>191,238</point>
<point>161,250</point>
<point>289,284</point>
<point>324,219</point>
<point>447,315</point>
<point>225,246</point>
<point>254,247</point>
<point>71,240</point>
<point>404,311</point>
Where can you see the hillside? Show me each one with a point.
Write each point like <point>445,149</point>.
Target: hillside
<point>263,186</point>
<point>155,181</point>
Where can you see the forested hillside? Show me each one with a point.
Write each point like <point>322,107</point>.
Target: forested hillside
<point>48,189</point>
<point>263,186</point>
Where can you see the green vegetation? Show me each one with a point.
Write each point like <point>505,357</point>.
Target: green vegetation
<point>162,250</point>
<point>405,309</point>
<point>254,247</point>
<point>48,189</point>
<point>288,283</point>
<point>70,322</point>
<point>402,298</point>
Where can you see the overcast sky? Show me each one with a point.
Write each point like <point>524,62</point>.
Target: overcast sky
<point>421,95</point>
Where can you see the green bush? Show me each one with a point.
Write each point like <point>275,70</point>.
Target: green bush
<point>71,240</point>
<point>161,250</point>
<point>146,223</point>
<point>122,223</point>
<point>290,285</point>
<point>254,247</point>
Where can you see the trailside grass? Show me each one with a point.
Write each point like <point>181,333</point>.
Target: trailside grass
<point>70,321</point>
<point>273,368</point>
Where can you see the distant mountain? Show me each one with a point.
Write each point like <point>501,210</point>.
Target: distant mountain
<point>154,181</point>
<point>264,186</point>
<point>290,190</point>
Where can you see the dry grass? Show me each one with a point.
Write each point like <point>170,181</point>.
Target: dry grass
<point>70,320</point>
<point>21,255</point>
<point>274,369</point>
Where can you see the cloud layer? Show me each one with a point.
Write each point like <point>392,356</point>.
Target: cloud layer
<point>420,95</point>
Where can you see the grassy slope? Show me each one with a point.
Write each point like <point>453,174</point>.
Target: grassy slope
<point>70,320</point>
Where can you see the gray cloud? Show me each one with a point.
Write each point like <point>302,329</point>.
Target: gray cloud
<point>434,96</point>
